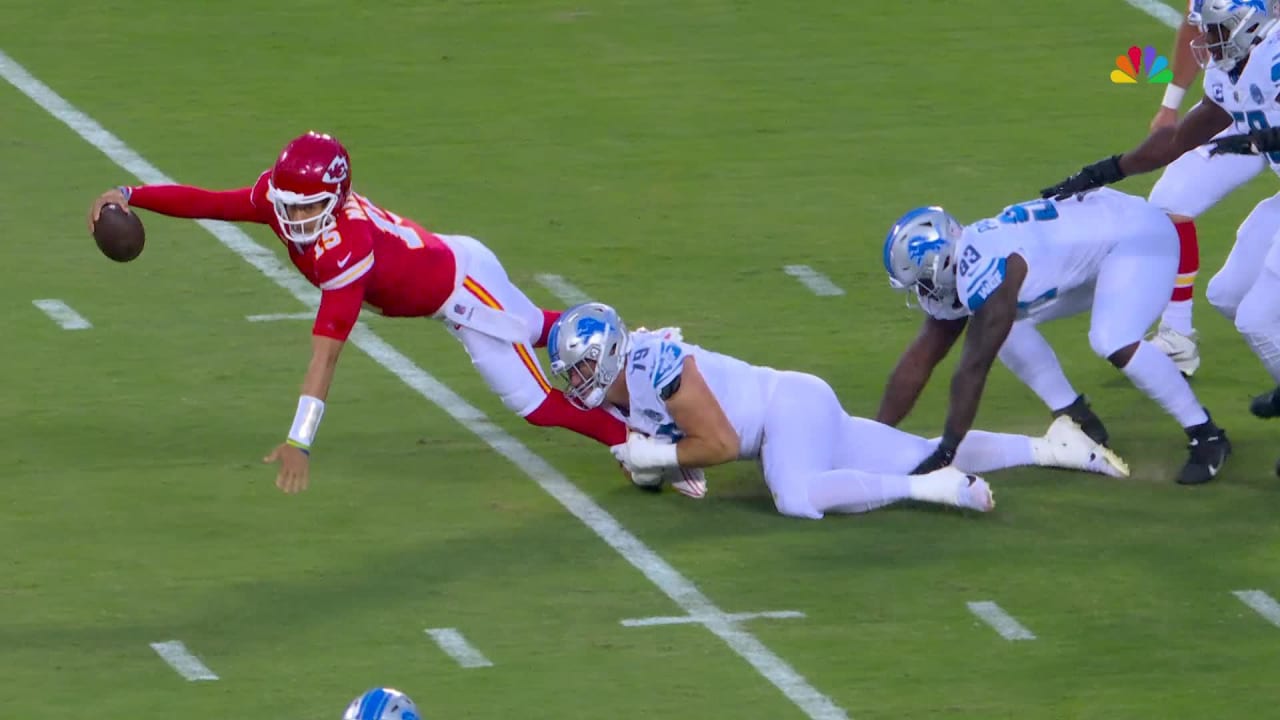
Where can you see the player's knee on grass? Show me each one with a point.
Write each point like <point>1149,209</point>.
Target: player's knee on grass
<point>792,500</point>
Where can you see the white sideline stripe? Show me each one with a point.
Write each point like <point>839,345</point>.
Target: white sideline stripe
<point>817,283</point>
<point>563,289</point>
<point>272,317</point>
<point>62,314</point>
<point>1262,603</point>
<point>457,647</point>
<point>688,619</point>
<point>1001,621</point>
<point>676,586</point>
<point>180,659</point>
<point>1159,11</point>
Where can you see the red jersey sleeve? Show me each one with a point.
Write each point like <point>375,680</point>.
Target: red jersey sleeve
<point>343,265</point>
<point>186,201</point>
<point>339,310</point>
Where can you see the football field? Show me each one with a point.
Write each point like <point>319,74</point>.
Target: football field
<point>727,166</point>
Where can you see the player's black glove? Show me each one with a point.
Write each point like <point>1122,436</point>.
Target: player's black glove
<point>941,456</point>
<point>1255,142</point>
<point>1090,177</point>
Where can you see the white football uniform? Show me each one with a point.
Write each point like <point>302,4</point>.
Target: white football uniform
<point>1196,182</point>
<point>1105,250</point>
<point>794,425</point>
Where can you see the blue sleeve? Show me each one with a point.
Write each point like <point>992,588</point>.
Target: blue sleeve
<point>666,375</point>
<point>984,284</point>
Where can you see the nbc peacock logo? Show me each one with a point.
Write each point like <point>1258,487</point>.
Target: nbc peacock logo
<point>1131,66</point>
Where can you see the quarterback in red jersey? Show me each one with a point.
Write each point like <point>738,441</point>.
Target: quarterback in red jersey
<point>359,255</point>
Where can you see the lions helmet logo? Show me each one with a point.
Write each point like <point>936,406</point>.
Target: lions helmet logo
<point>919,246</point>
<point>337,170</point>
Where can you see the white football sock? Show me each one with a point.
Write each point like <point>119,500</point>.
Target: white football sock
<point>1155,374</point>
<point>981,452</point>
<point>855,491</point>
<point>1028,356</point>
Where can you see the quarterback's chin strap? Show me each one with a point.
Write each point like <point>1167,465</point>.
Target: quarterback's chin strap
<point>305,423</point>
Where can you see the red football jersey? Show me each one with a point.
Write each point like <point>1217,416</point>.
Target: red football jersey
<point>370,257</point>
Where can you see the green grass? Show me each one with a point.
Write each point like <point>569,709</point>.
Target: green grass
<point>670,158</point>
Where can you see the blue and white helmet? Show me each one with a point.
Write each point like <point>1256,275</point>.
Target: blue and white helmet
<point>1229,29</point>
<point>588,349</point>
<point>382,704</point>
<point>919,253</point>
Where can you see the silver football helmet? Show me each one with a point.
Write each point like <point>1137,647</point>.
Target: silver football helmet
<point>919,253</point>
<point>382,704</point>
<point>1229,29</point>
<point>588,349</point>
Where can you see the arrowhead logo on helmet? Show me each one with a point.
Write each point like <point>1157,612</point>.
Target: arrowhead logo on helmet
<point>337,170</point>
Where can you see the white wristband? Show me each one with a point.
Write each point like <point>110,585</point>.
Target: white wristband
<point>1173,97</point>
<point>306,422</point>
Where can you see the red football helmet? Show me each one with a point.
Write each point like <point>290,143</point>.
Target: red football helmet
<point>312,168</point>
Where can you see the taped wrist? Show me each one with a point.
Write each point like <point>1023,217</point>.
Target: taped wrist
<point>306,421</point>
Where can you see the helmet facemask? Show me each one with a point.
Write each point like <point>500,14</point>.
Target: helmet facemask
<point>307,230</point>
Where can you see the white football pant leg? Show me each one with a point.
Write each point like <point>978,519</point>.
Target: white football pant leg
<point>1196,182</point>
<point>1254,239</point>
<point>511,370</point>
<point>1258,316</point>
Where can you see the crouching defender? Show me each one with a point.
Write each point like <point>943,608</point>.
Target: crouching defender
<point>690,407</point>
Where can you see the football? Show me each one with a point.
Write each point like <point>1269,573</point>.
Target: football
<point>119,234</point>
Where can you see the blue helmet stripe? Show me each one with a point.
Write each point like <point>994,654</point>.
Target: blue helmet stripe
<point>367,702</point>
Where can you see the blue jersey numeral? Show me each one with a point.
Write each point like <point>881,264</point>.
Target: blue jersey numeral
<point>1256,120</point>
<point>1035,210</point>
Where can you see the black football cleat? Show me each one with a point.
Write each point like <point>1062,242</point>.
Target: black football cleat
<point>1266,405</point>
<point>1080,413</point>
<point>1208,449</point>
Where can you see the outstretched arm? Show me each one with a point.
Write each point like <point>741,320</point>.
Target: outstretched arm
<point>1185,70</point>
<point>184,201</point>
<point>1162,146</point>
<point>916,365</point>
<point>988,329</point>
<point>338,312</point>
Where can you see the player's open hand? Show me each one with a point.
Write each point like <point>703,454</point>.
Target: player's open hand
<point>295,467</point>
<point>110,197</point>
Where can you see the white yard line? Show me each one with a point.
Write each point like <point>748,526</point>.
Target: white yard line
<point>671,582</point>
<point>457,647</point>
<point>1160,11</point>
<point>817,283</point>
<point>568,293</point>
<point>62,314</point>
<point>273,317</point>
<point>1262,603</point>
<point>689,620</point>
<point>180,659</point>
<point>1001,621</point>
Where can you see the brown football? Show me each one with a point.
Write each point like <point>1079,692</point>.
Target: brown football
<point>119,234</point>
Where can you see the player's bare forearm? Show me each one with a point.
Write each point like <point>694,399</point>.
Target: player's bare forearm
<point>709,438</point>
<point>1185,67</point>
<point>1166,144</point>
<point>324,362</point>
<point>987,332</point>
<point>915,367</point>
<point>702,452</point>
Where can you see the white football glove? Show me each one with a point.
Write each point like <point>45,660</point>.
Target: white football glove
<point>641,452</point>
